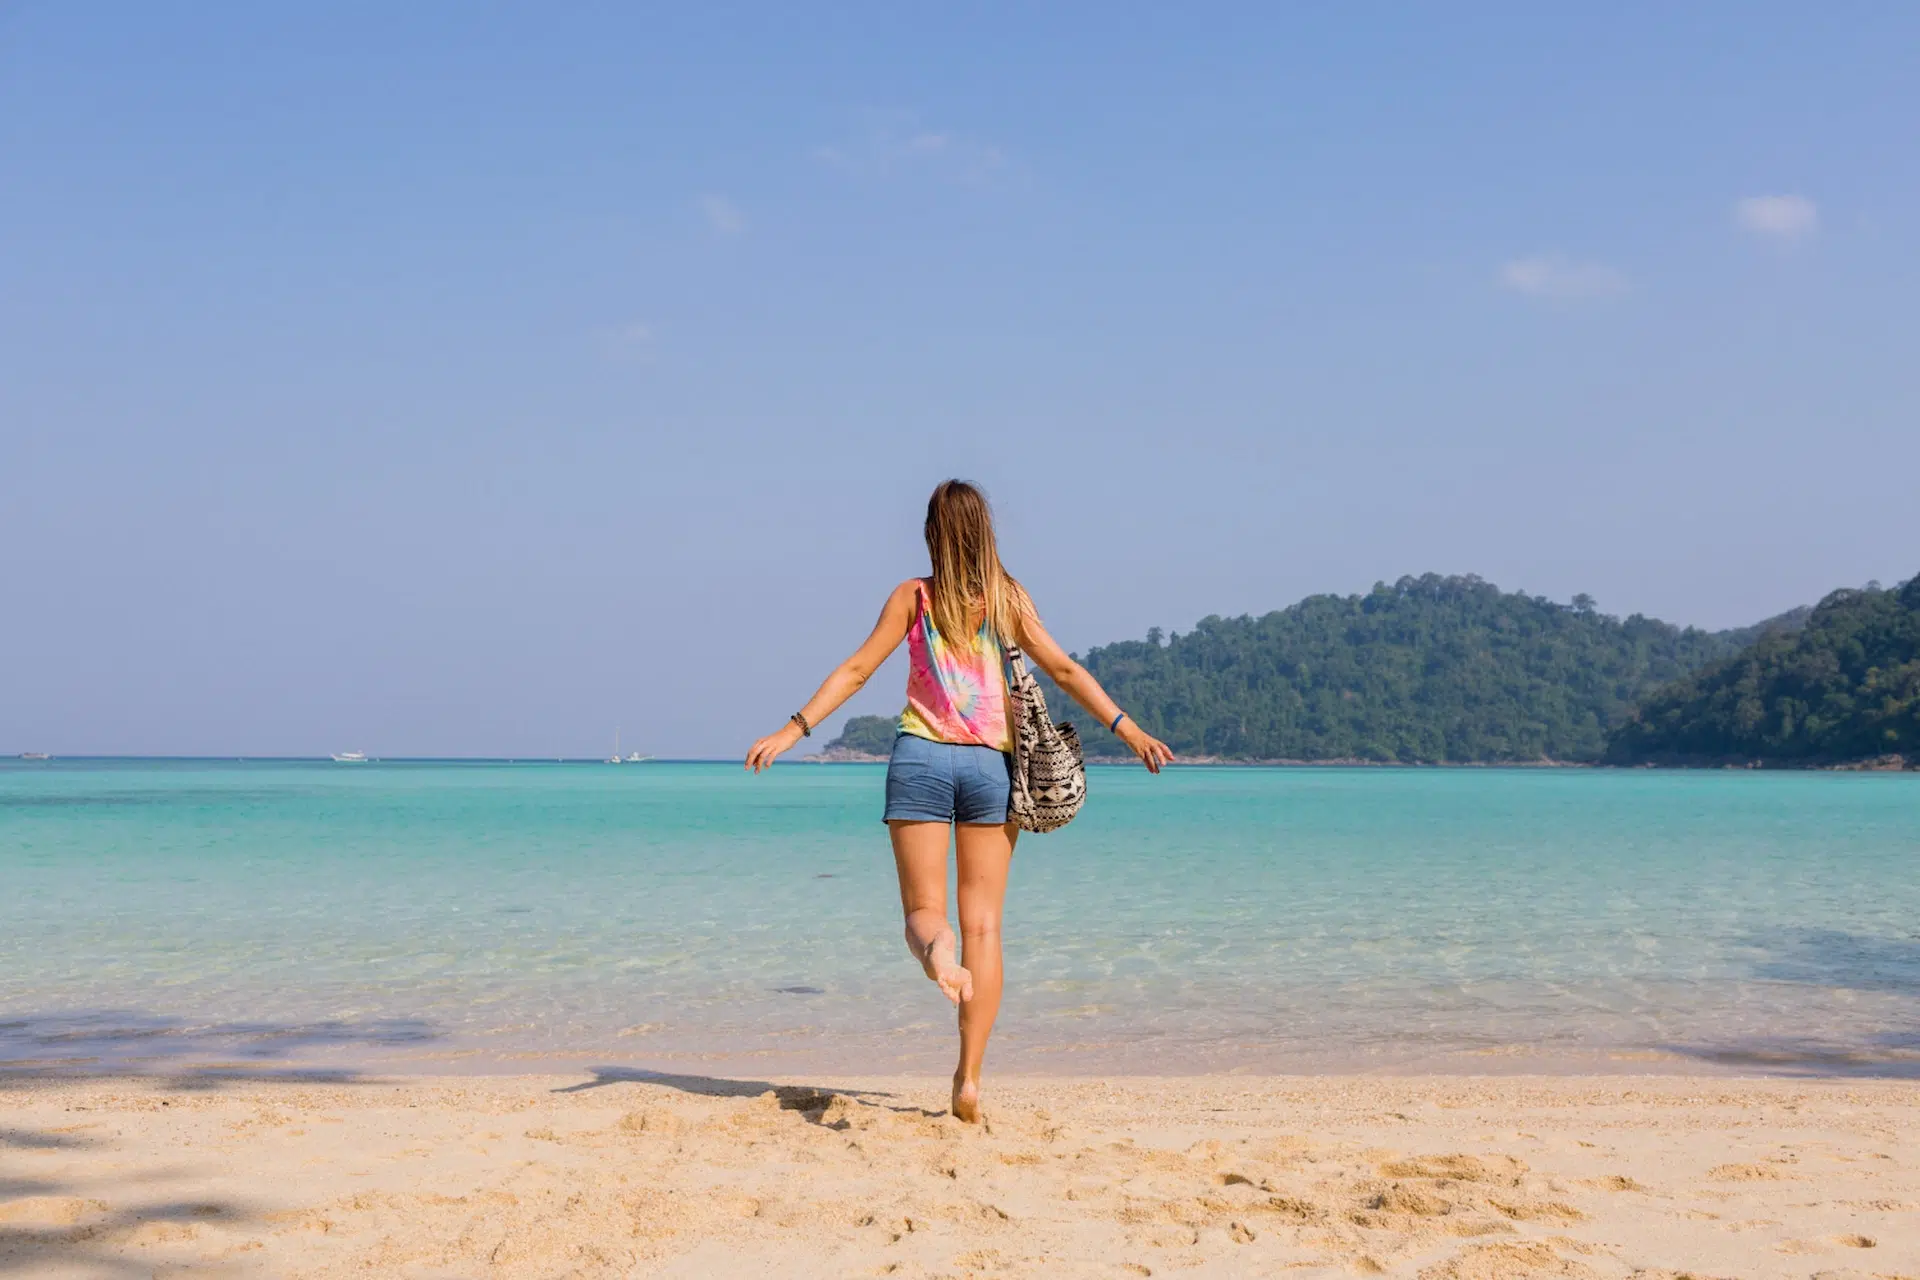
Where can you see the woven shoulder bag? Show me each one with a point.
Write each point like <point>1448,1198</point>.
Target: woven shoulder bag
<point>1049,773</point>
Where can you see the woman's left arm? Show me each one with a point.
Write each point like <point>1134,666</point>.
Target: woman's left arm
<point>1085,690</point>
<point>847,678</point>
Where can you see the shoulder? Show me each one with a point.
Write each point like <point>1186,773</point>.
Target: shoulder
<point>1022,602</point>
<point>908,592</point>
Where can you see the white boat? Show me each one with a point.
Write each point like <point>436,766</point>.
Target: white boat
<point>349,757</point>
<point>35,755</point>
<point>632,757</point>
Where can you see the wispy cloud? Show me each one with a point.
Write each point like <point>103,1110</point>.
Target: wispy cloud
<point>629,343</point>
<point>899,143</point>
<point>723,215</point>
<point>1784,218</point>
<point>1550,275</point>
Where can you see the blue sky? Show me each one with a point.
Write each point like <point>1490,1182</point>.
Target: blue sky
<point>452,378</point>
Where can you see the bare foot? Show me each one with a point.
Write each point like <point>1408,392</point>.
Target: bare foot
<point>966,1100</point>
<point>955,982</point>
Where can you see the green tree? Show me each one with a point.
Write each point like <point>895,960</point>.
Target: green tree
<point>1845,686</point>
<point>870,734</point>
<point>1428,669</point>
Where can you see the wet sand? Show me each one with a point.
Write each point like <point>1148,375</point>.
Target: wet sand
<point>1444,1178</point>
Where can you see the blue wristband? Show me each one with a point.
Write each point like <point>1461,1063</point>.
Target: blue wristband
<point>1115,726</point>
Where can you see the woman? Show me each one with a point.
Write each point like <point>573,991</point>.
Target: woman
<point>951,759</point>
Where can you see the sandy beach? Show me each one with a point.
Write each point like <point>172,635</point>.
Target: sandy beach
<point>617,1173</point>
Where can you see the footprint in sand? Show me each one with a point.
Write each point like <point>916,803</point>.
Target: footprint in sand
<point>1746,1173</point>
<point>1506,1262</point>
<point>1613,1182</point>
<point>1455,1167</point>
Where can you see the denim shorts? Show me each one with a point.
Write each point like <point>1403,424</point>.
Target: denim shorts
<point>946,782</point>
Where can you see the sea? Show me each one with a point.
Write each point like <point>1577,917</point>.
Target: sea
<point>200,918</point>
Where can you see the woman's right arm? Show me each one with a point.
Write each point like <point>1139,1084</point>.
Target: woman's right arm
<point>896,616</point>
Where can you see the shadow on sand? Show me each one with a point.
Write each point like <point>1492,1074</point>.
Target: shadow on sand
<point>1892,1057</point>
<point>69,1232</point>
<point>811,1101</point>
<point>88,1249</point>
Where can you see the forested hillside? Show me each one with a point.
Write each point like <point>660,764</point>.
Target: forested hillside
<point>1452,669</point>
<point>1428,669</point>
<point>1844,687</point>
<point>867,735</point>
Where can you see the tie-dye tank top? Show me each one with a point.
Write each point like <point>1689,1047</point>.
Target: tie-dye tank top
<point>955,693</point>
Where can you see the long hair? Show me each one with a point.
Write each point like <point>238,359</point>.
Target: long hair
<point>970,585</point>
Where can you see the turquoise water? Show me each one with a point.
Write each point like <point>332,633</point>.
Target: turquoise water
<point>168,915</point>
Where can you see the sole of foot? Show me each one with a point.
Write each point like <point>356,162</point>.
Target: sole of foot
<point>954,981</point>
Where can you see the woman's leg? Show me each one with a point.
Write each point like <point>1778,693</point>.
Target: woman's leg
<point>984,854</point>
<point>920,856</point>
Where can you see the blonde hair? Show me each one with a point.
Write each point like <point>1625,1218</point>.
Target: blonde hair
<point>970,585</point>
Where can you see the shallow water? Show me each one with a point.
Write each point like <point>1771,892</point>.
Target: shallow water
<point>176,915</point>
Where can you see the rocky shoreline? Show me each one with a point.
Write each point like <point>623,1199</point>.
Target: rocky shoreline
<point>842,755</point>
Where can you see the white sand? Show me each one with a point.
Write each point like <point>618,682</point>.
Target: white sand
<point>1454,1178</point>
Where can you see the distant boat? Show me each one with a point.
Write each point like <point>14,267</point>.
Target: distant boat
<point>633,757</point>
<point>350,757</point>
<point>35,755</point>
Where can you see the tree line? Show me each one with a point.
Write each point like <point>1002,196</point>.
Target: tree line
<point>1434,670</point>
<point>1843,688</point>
